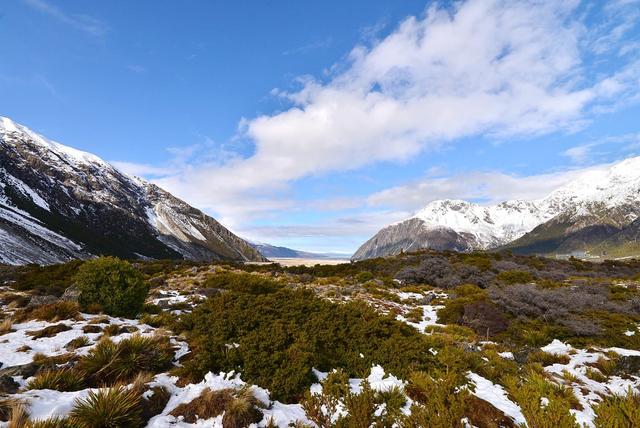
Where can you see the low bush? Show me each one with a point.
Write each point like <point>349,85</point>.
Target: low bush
<point>515,277</point>
<point>548,359</point>
<point>439,402</point>
<point>544,404</point>
<point>113,284</point>
<point>363,409</point>
<point>283,334</point>
<point>242,283</point>
<point>619,411</point>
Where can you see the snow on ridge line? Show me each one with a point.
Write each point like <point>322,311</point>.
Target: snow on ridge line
<point>69,153</point>
<point>492,225</point>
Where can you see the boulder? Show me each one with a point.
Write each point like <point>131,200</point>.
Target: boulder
<point>628,365</point>
<point>24,370</point>
<point>42,300</point>
<point>71,294</point>
<point>8,385</point>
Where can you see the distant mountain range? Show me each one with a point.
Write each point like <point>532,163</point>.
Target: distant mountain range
<point>58,203</point>
<point>595,215</point>
<point>272,251</point>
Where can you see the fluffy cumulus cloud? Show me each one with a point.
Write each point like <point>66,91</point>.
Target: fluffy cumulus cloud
<point>492,68</point>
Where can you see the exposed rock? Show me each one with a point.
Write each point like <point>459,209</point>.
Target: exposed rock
<point>42,300</point>
<point>8,385</point>
<point>24,370</point>
<point>71,294</point>
<point>628,365</point>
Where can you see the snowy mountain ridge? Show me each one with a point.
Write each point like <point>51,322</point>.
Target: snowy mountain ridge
<point>58,203</point>
<point>604,197</point>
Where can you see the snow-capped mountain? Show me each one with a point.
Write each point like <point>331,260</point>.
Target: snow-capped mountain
<point>580,216</point>
<point>58,203</point>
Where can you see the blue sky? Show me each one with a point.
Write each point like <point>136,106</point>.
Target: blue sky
<point>313,124</point>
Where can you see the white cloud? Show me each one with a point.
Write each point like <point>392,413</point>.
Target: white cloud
<point>487,67</point>
<point>81,22</point>
<point>142,170</point>
<point>579,154</point>
<point>485,187</point>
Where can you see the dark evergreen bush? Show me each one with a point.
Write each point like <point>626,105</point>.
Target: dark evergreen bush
<point>281,336</point>
<point>113,284</point>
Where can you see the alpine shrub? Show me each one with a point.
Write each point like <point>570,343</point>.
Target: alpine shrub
<point>113,284</point>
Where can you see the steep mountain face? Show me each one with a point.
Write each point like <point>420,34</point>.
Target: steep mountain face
<point>58,203</point>
<point>594,214</point>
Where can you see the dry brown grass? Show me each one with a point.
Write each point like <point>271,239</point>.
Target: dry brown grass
<point>52,312</point>
<point>208,405</point>
<point>5,326</point>
<point>48,331</point>
<point>19,418</point>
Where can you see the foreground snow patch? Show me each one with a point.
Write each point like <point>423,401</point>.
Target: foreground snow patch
<point>496,396</point>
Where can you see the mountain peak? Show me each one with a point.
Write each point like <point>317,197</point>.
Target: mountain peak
<point>605,199</point>
<point>59,203</point>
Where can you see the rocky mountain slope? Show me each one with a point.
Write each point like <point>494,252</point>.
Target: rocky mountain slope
<point>58,203</point>
<point>594,214</point>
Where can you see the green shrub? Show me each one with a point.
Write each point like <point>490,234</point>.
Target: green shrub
<point>515,277</point>
<point>108,408</point>
<point>360,407</point>
<point>438,401</point>
<point>283,335</point>
<point>242,283</point>
<point>364,276</point>
<point>58,380</point>
<point>113,284</point>
<point>618,411</point>
<point>530,392</point>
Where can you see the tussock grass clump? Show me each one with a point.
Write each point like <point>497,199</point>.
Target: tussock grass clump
<point>58,380</point>
<point>78,342</point>
<point>54,312</point>
<point>240,408</point>
<point>109,362</point>
<point>619,411</point>
<point>5,326</point>
<point>108,408</point>
<point>111,330</point>
<point>607,366</point>
<point>92,328</point>
<point>208,404</point>
<point>48,331</point>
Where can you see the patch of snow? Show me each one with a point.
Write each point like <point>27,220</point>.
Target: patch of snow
<point>496,396</point>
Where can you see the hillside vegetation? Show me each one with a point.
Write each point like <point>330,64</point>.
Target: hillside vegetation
<point>430,338</point>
